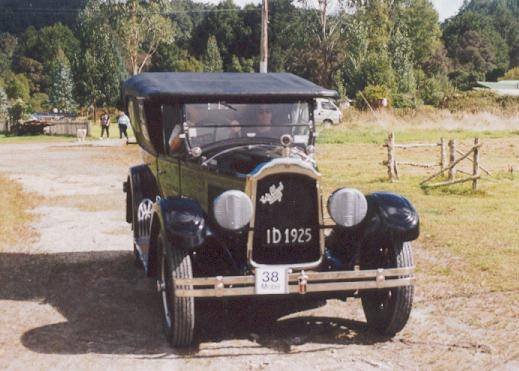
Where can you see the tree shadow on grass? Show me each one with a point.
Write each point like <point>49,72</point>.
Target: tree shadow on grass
<point>111,308</point>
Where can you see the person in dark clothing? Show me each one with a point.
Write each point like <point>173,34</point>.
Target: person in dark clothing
<point>105,125</point>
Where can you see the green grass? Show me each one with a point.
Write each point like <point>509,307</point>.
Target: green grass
<point>473,235</point>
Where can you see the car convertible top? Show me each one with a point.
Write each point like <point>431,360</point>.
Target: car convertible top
<point>223,86</point>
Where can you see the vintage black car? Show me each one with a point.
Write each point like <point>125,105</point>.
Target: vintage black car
<point>228,202</point>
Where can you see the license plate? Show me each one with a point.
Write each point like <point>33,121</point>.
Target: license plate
<point>271,281</point>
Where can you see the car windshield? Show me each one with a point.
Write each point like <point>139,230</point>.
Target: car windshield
<point>210,123</point>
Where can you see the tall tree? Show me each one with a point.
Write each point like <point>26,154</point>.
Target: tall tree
<point>474,45</point>
<point>100,70</point>
<point>4,104</point>
<point>212,59</point>
<point>141,27</point>
<point>61,85</point>
<point>322,26</point>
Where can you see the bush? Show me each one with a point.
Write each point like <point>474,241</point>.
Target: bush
<point>39,102</point>
<point>463,80</point>
<point>405,101</point>
<point>374,94</point>
<point>431,92</point>
<point>481,101</point>
<point>512,74</point>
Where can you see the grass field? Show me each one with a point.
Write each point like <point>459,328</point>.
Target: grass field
<point>14,214</point>
<point>473,235</point>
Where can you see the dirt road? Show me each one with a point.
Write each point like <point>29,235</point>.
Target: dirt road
<point>73,298</point>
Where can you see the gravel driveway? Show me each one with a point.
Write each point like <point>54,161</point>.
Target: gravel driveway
<point>73,298</point>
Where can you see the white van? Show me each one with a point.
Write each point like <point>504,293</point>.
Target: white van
<point>326,112</point>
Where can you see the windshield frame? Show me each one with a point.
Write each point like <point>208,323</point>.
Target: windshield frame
<point>240,141</point>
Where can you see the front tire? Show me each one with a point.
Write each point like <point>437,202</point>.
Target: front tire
<point>178,312</point>
<point>387,310</point>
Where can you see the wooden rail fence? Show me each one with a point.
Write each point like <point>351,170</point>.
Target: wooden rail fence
<point>445,166</point>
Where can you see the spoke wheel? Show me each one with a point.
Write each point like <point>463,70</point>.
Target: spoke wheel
<point>387,310</point>
<point>178,312</point>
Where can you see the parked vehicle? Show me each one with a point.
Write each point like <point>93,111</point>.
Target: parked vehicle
<point>326,112</point>
<point>227,203</point>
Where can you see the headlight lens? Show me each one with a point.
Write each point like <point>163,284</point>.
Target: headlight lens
<point>347,207</point>
<point>233,210</point>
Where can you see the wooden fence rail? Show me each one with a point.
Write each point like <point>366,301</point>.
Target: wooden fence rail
<point>392,163</point>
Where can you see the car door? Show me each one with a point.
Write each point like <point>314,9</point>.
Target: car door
<point>168,162</point>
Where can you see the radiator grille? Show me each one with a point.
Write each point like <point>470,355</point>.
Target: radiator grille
<point>287,220</point>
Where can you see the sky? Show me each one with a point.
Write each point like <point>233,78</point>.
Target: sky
<point>445,8</point>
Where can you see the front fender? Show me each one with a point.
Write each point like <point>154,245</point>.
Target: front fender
<point>183,221</point>
<point>139,185</point>
<point>393,214</point>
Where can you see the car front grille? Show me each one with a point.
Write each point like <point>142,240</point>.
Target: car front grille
<point>286,227</point>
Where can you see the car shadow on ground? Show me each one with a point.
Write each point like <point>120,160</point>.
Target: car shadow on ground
<point>111,308</point>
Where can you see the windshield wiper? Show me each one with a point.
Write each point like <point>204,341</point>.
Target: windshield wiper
<point>228,106</point>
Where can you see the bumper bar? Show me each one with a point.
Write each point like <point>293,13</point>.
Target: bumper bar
<point>312,281</point>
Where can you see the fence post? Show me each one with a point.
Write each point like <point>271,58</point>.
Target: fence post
<point>443,155</point>
<point>452,158</point>
<point>475,164</point>
<point>391,162</point>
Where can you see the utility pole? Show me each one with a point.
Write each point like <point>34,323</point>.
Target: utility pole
<point>264,47</point>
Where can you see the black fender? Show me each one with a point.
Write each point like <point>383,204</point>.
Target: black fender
<point>183,221</point>
<point>139,185</point>
<point>391,214</point>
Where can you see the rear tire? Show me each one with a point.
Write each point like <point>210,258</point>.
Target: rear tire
<point>387,310</point>
<point>178,312</point>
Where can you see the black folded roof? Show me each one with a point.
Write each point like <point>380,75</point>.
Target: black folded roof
<point>224,85</point>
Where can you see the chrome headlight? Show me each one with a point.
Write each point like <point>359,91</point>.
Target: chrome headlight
<point>232,210</point>
<point>347,207</point>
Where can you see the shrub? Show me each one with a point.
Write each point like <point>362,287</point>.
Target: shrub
<point>481,101</point>
<point>512,74</point>
<point>405,101</point>
<point>431,92</point>
<point>374,94</point>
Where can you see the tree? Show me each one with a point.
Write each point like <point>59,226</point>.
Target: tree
<point>322,26</point>
<point>141,28</point>
<point>33,70</point>
<point>100,69</point>
<point>237,33</point>
<point>61,85</point>
<point>474,45</point>
<point>17,87</point>
<point>39,102</point>
<point>4,104</point>
<point>17,15</point>
<point>419,20</point>
<point>212,59</point>
<point>174,59</point>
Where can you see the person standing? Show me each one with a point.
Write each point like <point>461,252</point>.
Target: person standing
<point>124,122</point>
<point>105,125</point>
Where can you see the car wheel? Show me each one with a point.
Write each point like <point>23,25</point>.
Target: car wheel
<point>387,310</point>
<point>136,258</point>
<point>327,123</point>
<point>335,123</point>
<point>178,312</point>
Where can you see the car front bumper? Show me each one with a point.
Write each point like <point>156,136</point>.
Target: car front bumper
<point>298,283</point>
